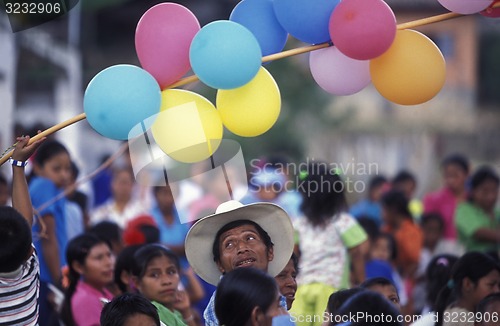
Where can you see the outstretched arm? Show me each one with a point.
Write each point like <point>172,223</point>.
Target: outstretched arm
<point>21,200</point>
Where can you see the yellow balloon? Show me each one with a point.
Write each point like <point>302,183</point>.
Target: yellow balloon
<point>412,71</point>
<point>188,127</point>
<point>252,109</point>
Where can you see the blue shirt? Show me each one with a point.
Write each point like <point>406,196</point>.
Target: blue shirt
<point>43,190</point>
<point>211,318</point>
<point>171,234</point>
<point>367,208</point>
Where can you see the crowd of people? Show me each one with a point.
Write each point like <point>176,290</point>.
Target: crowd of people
<point>294,255</point>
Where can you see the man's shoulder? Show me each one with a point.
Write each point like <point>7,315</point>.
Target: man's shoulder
<point>209,313</point>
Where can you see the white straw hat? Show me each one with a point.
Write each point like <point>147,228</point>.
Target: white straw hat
<point>272,218</point>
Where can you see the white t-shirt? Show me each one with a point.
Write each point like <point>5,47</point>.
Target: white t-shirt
<point>108,212</point>
<point>324,249</point>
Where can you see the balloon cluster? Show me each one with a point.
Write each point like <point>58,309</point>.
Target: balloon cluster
<point>405,66</point>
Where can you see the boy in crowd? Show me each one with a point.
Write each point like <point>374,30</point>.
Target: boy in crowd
<point>19,268</point>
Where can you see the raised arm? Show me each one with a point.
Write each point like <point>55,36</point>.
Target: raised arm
<point>21,200</point>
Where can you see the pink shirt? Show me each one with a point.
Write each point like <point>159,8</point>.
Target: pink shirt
<point>86,305</point>
<point>443,202</point>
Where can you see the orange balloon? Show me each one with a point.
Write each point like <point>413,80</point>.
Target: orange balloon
<point>412,71</point>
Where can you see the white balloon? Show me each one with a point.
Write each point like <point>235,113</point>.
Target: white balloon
<point>338,74</point>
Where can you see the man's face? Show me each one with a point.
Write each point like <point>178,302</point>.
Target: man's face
<point>243,247</point>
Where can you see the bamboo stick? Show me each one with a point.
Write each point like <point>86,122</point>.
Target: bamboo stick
<point>46,133</point>
<point>428,20</point>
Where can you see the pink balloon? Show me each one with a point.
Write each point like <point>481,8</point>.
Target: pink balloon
<point>362,29</point>
<point>338,74</point>
<point>162,40</point>
<point>465,7</point>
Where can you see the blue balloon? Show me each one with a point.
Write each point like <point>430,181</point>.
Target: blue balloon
<point>225,55</point>
<point>259,17</point>
<point>120,97</point>
<point>306,20</point>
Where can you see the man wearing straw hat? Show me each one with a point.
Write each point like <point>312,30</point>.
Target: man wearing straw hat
<point>257,235</point>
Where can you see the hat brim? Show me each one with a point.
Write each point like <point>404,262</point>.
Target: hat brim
<point>272,218</point>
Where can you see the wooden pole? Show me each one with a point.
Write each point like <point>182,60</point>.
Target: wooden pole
<point>46,133</point>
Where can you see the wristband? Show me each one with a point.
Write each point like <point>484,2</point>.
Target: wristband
<point>18,163</point>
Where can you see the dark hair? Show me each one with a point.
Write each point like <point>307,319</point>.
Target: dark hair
<point>151,233</point>
<point>124,262</point>
<point>485,302</point>
<point>337,299</point>
<point>278,161</point>
<point>370,226</point>
<point>392,243</point>
<point>146,253</point>
<point>403,176</point>
<point>234,224</point>
<point>481,175</point>
<point>240,291</point>
<point>437,274</point>
<point>367,284</point>
<point>456,159</point>
<point>15,239</point>
<point>397,201</point>
<point>473,265</point>
<point>295,261</point>
<point>75,171</point>
<point>430,217</point>
<point>107,230</point>
<point>141,230</point>
<point>48,150</point>
<point>122,307</point>
<point>372,304</point>
<point>322,193</point>
<point>77,250</point>
<point>376,182</point>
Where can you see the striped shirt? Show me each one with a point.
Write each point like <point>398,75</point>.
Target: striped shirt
<point>19,294</point>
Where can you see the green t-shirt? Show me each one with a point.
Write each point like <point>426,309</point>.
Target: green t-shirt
<point>169,317</point>
<point>470,218</point>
